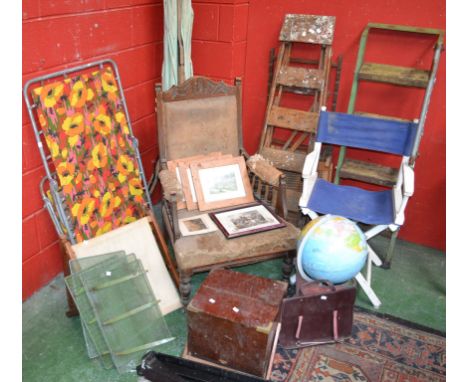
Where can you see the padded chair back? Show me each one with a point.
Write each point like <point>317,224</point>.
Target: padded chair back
<point>369,133</point>
<point>198,117</point>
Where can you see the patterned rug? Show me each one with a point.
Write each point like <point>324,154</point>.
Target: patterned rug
<point>380,349</point>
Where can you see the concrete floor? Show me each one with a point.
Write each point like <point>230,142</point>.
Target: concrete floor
<point>54,349</point>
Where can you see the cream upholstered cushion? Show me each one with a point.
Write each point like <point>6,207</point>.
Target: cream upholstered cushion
<point>203,251</point>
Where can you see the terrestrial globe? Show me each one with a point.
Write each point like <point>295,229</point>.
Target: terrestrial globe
<point>331,248</point>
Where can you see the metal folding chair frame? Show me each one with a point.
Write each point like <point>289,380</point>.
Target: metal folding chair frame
<point>55,207</point>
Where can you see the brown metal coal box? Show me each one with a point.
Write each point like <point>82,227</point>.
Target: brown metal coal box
<point>232,320</point>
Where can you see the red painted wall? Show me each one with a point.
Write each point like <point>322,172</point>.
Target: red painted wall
<point>65,33</point>
<point>425,217</point>
<point>219,39</point>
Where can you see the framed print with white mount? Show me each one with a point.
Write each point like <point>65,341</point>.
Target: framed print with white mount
<point>220,183</point>
<point>246,220</point>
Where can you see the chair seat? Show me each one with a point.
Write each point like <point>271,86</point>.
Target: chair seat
<point>369,207</point>
<point>201,252</point>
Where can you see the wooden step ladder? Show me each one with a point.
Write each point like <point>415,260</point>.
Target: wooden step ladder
<point>288,133</point>
<point>395,75</point>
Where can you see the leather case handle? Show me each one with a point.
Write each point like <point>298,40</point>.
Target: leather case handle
<point>299,326</point>
<point>335,325</point>
<point>336,334</point>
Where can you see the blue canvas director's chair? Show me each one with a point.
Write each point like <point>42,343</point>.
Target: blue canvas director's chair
<point>380,209</point>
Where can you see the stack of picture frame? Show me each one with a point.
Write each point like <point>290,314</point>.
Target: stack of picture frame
<point>219,185</point>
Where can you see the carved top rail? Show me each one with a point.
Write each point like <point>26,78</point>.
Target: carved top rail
<point>198,87</point>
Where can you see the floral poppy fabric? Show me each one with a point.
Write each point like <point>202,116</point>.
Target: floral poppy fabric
<point>87,134</point>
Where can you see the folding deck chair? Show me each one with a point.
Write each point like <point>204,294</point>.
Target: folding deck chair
<point>288,133</point>
<point>94,184</point>
<point>381,209</point>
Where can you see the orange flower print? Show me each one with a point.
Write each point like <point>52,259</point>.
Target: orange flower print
<point>108,204</point>
<point>84,210</point>
<point>108,82</point>
<point>129,216</point>
<point>42,120</point>
<point>50,94</point>
<point>66,173</point>
<point>53,146</point>
<point>102,124</point>
<point>135,186</point>
<point>105,228</point>
<point>120,118</point>
<point>99,156</point>
<point>73,126</point>
<point>80,94</point>
<point>124,167</point>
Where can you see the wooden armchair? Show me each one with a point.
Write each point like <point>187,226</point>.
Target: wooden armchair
<point>198,117</point>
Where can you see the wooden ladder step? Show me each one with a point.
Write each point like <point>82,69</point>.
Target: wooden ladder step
<point>293,119</point>
<point>308,29</point>
<point>389,117</point>
<point>284,160</point>
<point>369,172</point>
<point>296,76</point>
<point>397,75</point>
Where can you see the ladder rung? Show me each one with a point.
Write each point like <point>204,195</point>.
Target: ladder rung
<point>397,75</point>
<point>301,77</point>
<point>406,28</point>
<point>389,117</point>
<point>369,172</point>
<point>293,119</point>
<point>284,160</point>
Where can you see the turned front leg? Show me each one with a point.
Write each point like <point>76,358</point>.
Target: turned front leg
<point>288,265</point>
<point>185,288</point>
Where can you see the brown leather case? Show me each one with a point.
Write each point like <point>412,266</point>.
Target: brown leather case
<point>232,320</point>
<point>319,313</point>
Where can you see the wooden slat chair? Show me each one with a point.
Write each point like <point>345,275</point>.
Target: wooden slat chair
<point>288,133</point>
<point>380,209</point>
<point>199,117</point>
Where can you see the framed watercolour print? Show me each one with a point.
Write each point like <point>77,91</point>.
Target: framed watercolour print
<point>246,220</point>
<point>181,167</point>
<point>196,225</point>
<point>220,183</point>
